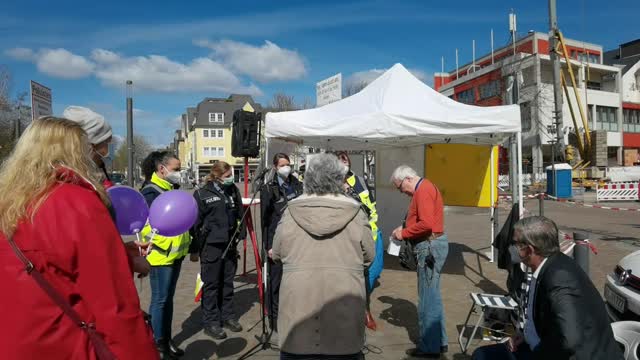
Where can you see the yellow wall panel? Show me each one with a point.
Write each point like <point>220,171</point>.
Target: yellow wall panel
<point>462,173</point>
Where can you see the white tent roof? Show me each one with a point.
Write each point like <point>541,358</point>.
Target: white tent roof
<point>396,109</point>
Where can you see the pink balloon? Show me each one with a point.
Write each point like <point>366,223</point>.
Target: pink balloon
<point>173,213</point>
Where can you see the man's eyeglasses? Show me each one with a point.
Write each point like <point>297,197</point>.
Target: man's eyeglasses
<point>399,187</point>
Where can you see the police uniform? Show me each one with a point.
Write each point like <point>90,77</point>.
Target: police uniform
<point>273,201</point>
<point>219,215</point>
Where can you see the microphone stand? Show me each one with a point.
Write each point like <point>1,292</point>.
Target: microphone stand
<point>264,339</point>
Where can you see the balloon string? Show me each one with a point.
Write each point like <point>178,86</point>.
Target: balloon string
<point>139,241</point>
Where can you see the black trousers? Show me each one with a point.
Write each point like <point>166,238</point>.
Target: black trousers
<point>217,292</point>
<point>273,300</point>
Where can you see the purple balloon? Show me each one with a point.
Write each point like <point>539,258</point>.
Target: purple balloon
<point>173,213</point>
<point>130,209</point>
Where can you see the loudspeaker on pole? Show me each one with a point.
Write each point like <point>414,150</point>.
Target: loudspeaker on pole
<point>245,134</point>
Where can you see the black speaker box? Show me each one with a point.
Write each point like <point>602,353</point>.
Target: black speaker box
<point>245,134</point>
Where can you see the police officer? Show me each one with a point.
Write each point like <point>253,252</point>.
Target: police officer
<point>281,188</point>
<point>219,218</point>
<point>356,187</point>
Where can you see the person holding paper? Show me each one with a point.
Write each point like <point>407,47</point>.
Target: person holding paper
<point>425,230</point>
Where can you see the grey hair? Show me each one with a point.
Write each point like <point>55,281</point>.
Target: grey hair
<point>324,175</point>
<point>402,172</point>
<point>539,232</point>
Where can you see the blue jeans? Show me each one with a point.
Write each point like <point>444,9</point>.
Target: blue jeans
<point>163,286</point>
<point>433,332</point>
<point>500,352</point>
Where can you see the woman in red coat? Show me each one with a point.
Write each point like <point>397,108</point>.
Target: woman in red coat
<point>54,209</point>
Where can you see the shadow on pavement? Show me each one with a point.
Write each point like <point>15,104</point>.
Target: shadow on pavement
<point>402,313</point>
<point>191,326</point>
<point>231,347</point>
<point>243,301</point>
<point>200,349</point>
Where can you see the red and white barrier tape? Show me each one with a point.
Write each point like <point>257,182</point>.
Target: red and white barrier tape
<point>553,198</point>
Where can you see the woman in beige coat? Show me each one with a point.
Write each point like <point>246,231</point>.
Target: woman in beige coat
<point>324,242</point>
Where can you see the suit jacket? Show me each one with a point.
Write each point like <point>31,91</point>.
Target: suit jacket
<point>569,315</point>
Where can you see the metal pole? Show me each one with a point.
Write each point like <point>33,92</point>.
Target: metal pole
<point>17,128</point>
<point>130,149</point>
<point>457,75</point>
<point>555,60</point>
<point>491,46</point>
<point>493,211</point>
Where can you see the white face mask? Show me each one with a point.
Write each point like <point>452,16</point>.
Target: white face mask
<point>284,171</point>
<point>173,176</point>
<point>227,180</point>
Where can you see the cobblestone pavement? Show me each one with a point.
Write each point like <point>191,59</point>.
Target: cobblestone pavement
<point>615,234</point>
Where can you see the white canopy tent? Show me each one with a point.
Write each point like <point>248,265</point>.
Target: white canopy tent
<point>397,110</point>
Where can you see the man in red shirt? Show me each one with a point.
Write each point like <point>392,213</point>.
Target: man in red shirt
<point>424,229</point>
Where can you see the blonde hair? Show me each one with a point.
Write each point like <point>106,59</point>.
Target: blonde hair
<point>219,168</point>
<point>29,173</point>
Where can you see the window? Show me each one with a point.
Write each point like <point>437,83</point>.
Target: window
<point>216,117</point>
<point>467,96</point>
<point>607,118</point>
<point>593,85</point>
<point>631,121</point>
<point>525,115</point>
<point>489,89</point>
<point>213,134</point>
<point>213,151</point>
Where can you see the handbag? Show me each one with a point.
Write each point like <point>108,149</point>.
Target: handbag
<point>407,257</point>
<point>99,345</point>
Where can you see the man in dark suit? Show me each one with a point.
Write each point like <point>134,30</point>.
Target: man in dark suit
<point>565,317</point>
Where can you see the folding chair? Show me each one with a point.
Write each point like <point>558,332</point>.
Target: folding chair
<point>482,303</point>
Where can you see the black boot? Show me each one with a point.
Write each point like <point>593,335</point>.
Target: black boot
<point>233,325</point>
<point>215,332</point>
<point>163,348</point>
<point>174,349</point>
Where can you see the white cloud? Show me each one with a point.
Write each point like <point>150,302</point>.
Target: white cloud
<point>265,63</point>
<point>159,73</point>
<point>104,56</point>
<point>22,54</point>
<point>153,72</point>
<point>63,64</point>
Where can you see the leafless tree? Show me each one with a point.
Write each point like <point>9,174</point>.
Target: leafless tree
<point>354,88</point>
<point>142,149</point>
<point>282,102</point>
<point>5,88</point>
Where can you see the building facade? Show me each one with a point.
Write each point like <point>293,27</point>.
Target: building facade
<point>487,82</point>
<point>207,134</point>
<point>627,58</point>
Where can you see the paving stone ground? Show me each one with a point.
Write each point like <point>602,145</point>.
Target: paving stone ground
<point>615,234</point>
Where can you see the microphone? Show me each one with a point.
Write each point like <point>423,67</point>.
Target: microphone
<point>261,175</point>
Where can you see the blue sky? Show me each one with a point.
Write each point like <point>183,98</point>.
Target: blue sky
<point>180,52</point>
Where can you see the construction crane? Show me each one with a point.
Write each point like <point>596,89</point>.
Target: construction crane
<point>583,142</point>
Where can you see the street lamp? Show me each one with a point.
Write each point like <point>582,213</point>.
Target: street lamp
<point>130,150</point>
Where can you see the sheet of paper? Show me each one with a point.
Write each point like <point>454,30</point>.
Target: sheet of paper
<point>394,246</point>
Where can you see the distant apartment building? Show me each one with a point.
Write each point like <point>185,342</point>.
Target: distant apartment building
<point>627,58</point>
<point>486,83</point>
<point>205,135</point>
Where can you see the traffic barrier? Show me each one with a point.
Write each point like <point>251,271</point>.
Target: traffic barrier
<point>618,191</point>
